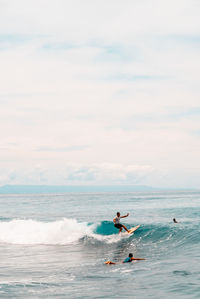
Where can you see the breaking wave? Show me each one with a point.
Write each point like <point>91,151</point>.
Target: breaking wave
<point>67,231</point>
<point>61,232</point>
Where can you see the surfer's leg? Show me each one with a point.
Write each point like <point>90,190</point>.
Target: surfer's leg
<point>119,226</point>
<point>125,228</point>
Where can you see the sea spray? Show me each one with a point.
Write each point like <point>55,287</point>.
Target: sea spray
<point>29,231</point>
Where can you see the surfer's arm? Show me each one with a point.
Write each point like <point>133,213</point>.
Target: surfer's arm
<point>135,259</point>
<point>125,216</point>
<point>114,220</point>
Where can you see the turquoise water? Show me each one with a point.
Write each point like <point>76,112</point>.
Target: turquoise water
<point>55,245</point>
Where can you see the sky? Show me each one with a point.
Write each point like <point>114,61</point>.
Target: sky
<point>96,92</point>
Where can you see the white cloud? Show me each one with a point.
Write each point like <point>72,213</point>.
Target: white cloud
<point>112,19</point>
<point>107,173</point>
<point>72,174</point>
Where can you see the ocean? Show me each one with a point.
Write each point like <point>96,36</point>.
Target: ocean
<point>55,245</point>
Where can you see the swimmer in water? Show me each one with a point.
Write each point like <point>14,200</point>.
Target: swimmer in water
<point>129,259</point>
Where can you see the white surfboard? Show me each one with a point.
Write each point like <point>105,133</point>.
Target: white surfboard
<point>131,230</point>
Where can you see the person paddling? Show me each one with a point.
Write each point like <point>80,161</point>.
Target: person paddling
<point>117,223</point>
<point>129,259</point>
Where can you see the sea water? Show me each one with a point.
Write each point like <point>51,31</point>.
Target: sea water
<point>55,245</point>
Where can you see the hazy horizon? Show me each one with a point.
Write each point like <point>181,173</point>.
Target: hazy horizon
<point>39,189</point>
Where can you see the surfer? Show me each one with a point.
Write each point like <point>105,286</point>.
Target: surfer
<point>175,221</point>
<point>117,223</point>
<point>129,259</point>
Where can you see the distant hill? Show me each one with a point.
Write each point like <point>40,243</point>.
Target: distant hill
<point>28,189</point>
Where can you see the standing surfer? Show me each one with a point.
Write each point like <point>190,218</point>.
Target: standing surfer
<point>117,223</point>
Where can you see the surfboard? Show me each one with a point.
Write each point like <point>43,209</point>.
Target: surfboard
<point>133,229</point>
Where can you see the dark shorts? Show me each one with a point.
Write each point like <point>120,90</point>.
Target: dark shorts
<point>118,225</point>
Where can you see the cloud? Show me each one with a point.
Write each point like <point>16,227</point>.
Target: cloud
<point>108,173</point>
<point>62,149</point>
<point>99,83</point>
<point>100,18</point>
<point>81,174</point>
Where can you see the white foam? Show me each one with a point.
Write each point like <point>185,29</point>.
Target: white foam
<point>61,232</point>
<point>64,231</point>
